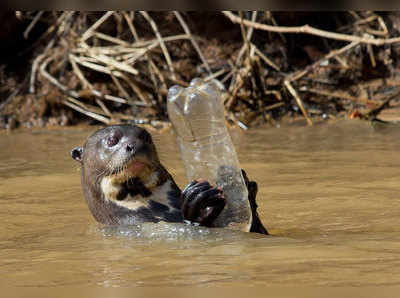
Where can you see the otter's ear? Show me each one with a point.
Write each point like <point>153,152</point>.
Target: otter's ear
<point>77,153</point>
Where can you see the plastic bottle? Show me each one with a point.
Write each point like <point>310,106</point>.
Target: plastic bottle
<point>197,115</point>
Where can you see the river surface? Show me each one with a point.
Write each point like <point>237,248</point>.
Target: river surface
<point>328,194</point>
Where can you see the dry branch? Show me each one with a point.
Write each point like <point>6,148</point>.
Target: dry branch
<point>111,74</point>
<point>89,32</point>
<point>297,75</point>
<point>298,100</point>
<point>306,29</point>
<point>195,45</point>
<point>160,39</point>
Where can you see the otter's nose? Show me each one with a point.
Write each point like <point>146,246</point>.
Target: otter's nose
<point>130,147</point>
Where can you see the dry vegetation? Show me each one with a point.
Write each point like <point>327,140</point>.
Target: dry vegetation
<point>117,66</point>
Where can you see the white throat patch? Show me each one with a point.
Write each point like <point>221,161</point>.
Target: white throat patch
<point>111,190</point>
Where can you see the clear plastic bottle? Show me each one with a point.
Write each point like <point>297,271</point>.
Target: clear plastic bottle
<point>197,115</point>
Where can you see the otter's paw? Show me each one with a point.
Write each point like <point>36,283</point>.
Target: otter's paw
<point>202,203</point>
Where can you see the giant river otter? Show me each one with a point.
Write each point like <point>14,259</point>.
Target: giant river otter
<point>124,183</point>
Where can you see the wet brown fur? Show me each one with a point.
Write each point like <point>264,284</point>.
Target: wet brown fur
<point>100,164</point>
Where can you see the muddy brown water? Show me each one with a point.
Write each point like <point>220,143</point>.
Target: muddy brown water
<point>329,194</point>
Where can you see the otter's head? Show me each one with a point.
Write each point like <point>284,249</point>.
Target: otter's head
<point>118,162</point>
<point>120,151</point>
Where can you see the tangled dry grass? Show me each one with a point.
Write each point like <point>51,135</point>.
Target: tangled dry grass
<point>117,66</point>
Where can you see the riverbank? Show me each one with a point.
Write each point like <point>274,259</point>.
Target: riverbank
<point>70,68</point>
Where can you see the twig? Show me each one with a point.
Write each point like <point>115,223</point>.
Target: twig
<point>295,76</point>
<point>269,16</point>
<point>358,22</point>
<point>129,20</point>
<point>137,90</point>
<point>73,93</point>
<point>266,60</point>
<point>78,72</point>
<point>162,44</point>
<point>119,86</point>
<point>115,64</point>
<point>306,29</point>
<point>97,67</point>
<point>103,107</point>
<point>342,62</point>
<point>230,74</point>
<point>298,100</point>
<point>111,39</point>
<point>155,44</point>
<point>89,32</point>
<point>239,83</point>
<point>374,112</point>
<point>215,75</point>
<point>32,24</point>
<point>87,113</point>
<point>153,78</point>
<point>53,80</point>
<point>159,74</point>
<point>195,45</point>
<point>176,81</point>
<point>354,14</point>
<point>371,55</point>
<point>385,31</point>
<point>78,103</point>
<point>338,94</point>
<point>152,65</point>
<point>35,66</point>
<point>247,37</point>
<point>274,106</point>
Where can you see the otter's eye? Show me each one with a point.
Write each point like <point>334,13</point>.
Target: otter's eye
<point>112,141</point>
